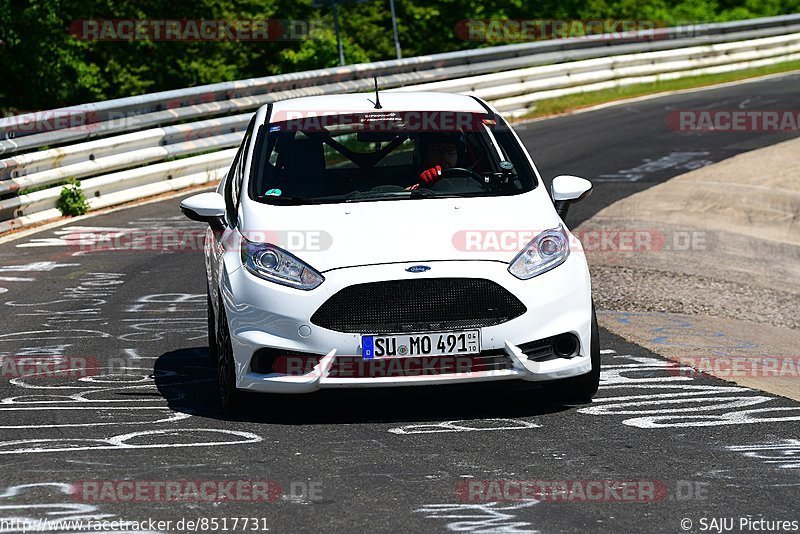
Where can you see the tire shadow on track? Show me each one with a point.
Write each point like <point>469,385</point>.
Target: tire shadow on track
<point>189,384</point>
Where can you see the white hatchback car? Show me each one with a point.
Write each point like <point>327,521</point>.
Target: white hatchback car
<point>408,242</point>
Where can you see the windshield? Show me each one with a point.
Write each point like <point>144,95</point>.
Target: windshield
<point>386,156</point>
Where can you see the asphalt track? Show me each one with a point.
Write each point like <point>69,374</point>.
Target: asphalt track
<point>389,460</point>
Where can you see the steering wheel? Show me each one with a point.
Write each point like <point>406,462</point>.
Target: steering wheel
<point>459,183</point>
<point>469,172</point>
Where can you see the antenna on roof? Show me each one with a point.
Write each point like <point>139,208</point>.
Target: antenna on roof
<point>377,96</point>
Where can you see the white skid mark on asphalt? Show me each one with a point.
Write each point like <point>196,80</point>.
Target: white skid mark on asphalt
<point>168,302</point>
<point>91,290</point>
<point>700,391</point>
<point>671,399</point>
<point>27,446</point>
<point>488,517</point>
<point>465,425</point>
<point>161,315</point>
<point>76,235</point>
<point>171,416</point>
<point>53,335</point>
<point>38,266</point>
<point>108,382</point>
<point>29,400</point>
<point>13,491</point>
<point>133,354</point>
<point>784,454</point>
<point>688,161</point>
<point>662,406</point>
<point>729,418</point>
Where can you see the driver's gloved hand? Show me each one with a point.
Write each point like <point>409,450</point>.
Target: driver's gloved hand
<point>431,176</point>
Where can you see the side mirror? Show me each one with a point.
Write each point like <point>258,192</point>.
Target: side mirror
<point>568,189</point>
<point>206,207</point>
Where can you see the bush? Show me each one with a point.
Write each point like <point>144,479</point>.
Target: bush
<point>72,201</point>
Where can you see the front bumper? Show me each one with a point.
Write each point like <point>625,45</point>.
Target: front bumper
<point>262,314</point>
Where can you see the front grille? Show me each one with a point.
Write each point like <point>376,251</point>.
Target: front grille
<point>424,305</point>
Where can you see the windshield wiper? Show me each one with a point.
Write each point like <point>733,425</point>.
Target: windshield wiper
<point>286,200</point>
<point>397,195</point>
<point>355,196</point>
<point>358,196</point>
<point>424,193</point>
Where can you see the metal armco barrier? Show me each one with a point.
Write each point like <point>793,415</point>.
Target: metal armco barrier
<point>97,142</point>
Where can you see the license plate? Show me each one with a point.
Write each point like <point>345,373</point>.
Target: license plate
<point>435,344</point>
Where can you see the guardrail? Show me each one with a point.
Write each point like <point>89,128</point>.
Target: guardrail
<point>34,130</point>
<point>512,77</point>
<point>512,92</point>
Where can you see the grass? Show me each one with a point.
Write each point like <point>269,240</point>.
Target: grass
<point>554,106</point>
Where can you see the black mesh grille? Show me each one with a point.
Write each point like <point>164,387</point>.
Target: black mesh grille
<point>491,360</point>
<point>540,350</point>
<point>423,305</point>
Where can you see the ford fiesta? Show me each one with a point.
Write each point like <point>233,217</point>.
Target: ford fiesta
<point>395,241</point>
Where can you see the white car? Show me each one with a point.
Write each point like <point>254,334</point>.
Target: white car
<point>404,243</point>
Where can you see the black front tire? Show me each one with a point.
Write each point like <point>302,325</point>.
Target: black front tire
<point>230,398</point>
<point>213,354</point>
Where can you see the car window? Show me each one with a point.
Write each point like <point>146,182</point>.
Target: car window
<point>235,175</point>
<point>334,159</point>
<point>352,158</point>
<point>230,205</point>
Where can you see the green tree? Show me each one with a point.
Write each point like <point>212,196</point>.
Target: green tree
<point>44,66</point>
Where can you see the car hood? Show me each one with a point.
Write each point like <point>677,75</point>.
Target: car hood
<point>331,236</point>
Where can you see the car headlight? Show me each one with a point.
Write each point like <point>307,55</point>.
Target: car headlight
<point>546,251</point>
<point>276,265</point>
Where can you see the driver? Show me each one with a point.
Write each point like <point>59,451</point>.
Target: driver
<point>435,156</point>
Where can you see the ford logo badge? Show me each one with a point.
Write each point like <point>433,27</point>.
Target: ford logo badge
<point>418,269</point>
